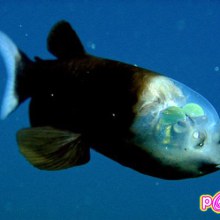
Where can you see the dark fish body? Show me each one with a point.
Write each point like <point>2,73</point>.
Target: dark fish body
<point>86,89</point>
<point>134,116</point>
<point>92,96</point>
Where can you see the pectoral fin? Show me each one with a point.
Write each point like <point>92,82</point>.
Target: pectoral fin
<point>52,149</point>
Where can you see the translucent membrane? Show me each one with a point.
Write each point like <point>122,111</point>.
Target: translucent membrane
<point>177,120</point>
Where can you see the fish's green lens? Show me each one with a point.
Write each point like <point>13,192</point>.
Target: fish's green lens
<point>193,110</point>
<point>172,115</point>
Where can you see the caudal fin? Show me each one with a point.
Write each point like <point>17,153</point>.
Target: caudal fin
<point>15,63</point>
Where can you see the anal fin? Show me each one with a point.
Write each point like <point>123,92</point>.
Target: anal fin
<point>52,149</point>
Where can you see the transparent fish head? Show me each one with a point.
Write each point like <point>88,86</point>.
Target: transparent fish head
<point>179,128</point>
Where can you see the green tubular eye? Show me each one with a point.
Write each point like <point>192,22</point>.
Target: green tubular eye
<point>172,115</point>
<point>193,110</point>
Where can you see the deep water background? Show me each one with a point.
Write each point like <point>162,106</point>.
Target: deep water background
<point>180,39</point>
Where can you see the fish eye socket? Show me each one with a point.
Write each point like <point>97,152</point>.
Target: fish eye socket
<point>201,144</point>
<point>200,137</point>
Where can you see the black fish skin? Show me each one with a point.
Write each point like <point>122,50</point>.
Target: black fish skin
<point>95,97</point>
<point>92,96</point>
<point>90,90</point>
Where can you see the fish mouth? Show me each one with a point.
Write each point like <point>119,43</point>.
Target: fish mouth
<point>209,168</point>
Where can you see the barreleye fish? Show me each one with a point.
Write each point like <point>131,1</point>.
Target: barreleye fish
<point>137,117</point>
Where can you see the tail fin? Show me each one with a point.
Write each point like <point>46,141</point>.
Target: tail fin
<point>15,62</point>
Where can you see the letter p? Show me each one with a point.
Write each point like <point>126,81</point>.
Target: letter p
<point>205,202</point>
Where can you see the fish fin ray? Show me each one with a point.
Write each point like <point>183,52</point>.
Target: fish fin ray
<point>51,149</point>
<point>63,41</point>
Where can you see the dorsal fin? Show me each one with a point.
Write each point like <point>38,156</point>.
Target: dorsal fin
<point>63,41</point>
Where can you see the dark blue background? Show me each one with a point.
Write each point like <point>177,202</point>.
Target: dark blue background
<point>180,39</point>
